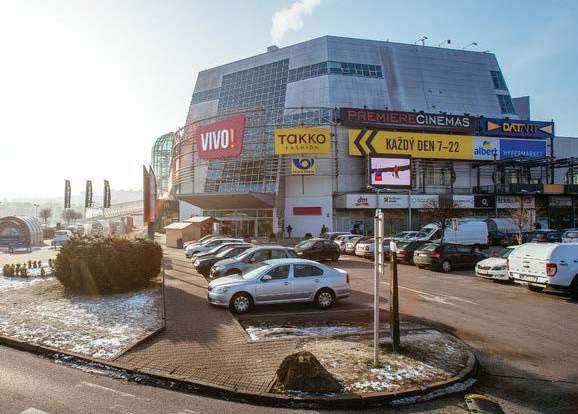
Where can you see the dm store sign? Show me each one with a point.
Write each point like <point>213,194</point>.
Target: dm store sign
<point>221,139</point>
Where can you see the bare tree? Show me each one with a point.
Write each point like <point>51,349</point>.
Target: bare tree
<point>521,218</point>
<point>440,212</point>
<point>70,215</point>
<point>45,214</point>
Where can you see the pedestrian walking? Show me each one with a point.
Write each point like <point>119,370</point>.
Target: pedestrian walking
<point>289,230</point>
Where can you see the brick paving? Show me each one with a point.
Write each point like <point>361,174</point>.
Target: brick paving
<point>203,343</point>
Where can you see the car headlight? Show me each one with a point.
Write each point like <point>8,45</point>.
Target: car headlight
<point>499,267</point>
<point>221,290</point>
<point>196,262</point>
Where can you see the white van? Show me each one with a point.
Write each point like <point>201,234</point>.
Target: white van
<point>546,265</point>
<point>469,232</point>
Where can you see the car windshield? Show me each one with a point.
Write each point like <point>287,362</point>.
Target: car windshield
<point>225,252</point>
<point>422,234</point>
<point>402,245</point>
<point>215,249</point>
<point>504,252</point>
<point>307,244</point>
<point>254,271</point>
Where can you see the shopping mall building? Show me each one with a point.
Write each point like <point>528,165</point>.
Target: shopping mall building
<point>287,137</point>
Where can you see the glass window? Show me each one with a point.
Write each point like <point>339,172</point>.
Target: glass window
<point>279,272</point>
<point>303,270</point>
<point>278,254</point>
<point>450,248</point>
<point>506,104</point>
<point>463,249</point>
<point>261,255</point>
<point>498,80</point>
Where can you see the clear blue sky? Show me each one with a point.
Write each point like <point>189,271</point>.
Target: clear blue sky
<point>86,86</point>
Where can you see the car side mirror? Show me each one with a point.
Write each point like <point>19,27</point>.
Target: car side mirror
<point>266,278</point>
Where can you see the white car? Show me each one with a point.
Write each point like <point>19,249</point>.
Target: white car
<point>570,236</point>
<point>495,267</point>
<point>405,235</point>
<point>342,240</point>
<point>367,248</point>
<point>61,237</point>
<point>191,249</point>
<point>546,265</point>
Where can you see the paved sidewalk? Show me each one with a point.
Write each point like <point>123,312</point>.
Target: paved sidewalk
<point>203,343</point>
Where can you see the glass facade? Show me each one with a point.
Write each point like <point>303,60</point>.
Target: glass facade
<point>506,104</point>
<point>498,80</point>
<point>237,84</point>
<point>161,160</point>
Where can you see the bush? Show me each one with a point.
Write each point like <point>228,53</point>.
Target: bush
<point>308,236</point>
<point>107,265</point>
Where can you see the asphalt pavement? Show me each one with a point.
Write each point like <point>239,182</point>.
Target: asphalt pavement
<point>527,344</point>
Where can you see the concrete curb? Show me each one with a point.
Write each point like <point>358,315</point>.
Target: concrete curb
<point>149,377</point>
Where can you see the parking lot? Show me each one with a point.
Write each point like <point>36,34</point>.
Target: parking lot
<point>526,342</point>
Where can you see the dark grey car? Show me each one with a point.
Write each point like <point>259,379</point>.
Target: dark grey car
<point>257,254</point>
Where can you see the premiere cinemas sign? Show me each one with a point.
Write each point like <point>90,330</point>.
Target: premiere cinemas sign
<point>421,121</point>
<point>221,139</point>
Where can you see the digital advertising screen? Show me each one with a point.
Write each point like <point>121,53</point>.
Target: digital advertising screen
<point>392,172</point>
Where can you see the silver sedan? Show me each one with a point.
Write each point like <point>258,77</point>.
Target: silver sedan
<point>280,281</point>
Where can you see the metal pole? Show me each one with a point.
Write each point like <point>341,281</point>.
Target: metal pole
<point>409,227</point>
<point>394,303</point>
<point>378,268</point>
<point>164,297</point>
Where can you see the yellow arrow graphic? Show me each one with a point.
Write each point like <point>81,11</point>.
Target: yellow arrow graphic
<point>492,126</point>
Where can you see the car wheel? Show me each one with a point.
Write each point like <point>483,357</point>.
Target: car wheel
<point>241,303</point>
<point>419,267</point>
<point>535,288</point>
<point>573,291</point>
<point>324,299</point>
<point>446,266</point>
<point>232,272</point>
<point>335,258</point>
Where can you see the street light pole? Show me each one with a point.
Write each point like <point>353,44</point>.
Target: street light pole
<point>378,271</point>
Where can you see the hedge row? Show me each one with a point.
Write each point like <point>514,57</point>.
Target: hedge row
<point>107,265</point>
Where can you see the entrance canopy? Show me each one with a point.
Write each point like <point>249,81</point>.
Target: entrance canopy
<point>229,200</point>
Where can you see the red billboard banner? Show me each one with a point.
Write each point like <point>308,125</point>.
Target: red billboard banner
<point>221,139</point>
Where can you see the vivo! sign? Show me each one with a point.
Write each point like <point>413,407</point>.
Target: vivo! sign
<point>221,139</point>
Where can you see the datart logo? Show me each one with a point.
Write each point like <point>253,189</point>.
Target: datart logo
<point>487,149</point>
<point>221,139</point>
<point>303,166</point>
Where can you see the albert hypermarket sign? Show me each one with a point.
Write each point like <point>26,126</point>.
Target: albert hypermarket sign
<point>363,142</point>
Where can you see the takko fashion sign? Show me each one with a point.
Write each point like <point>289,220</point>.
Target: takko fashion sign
<point>302,141</point>
<point>221,139</point>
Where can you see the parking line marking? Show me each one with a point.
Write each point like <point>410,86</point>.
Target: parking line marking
<point>434,295</point>
<point>103,388</point>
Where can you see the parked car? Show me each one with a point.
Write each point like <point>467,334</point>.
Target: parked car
<point>469,232</point>
<point>204,264</point>
<point>201,240</point>
<point>570,236</point>
<point>207,245</point>
<point>257,254</point>
<point>61,237</point>
<point>404,250</point>
<point>446,257</point>
<point>367,248</point>
<point>495,267</point>
<point>318,249</point>
<point>405,235</point>
<point>544,236</point>
<point>352,243</point>
<point>342,240</point>
<point>546,265</point>
<point>331,235</point>
<point>217,249</point>
<point>280,281</point>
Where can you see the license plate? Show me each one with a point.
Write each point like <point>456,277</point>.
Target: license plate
<point>529,278</point>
